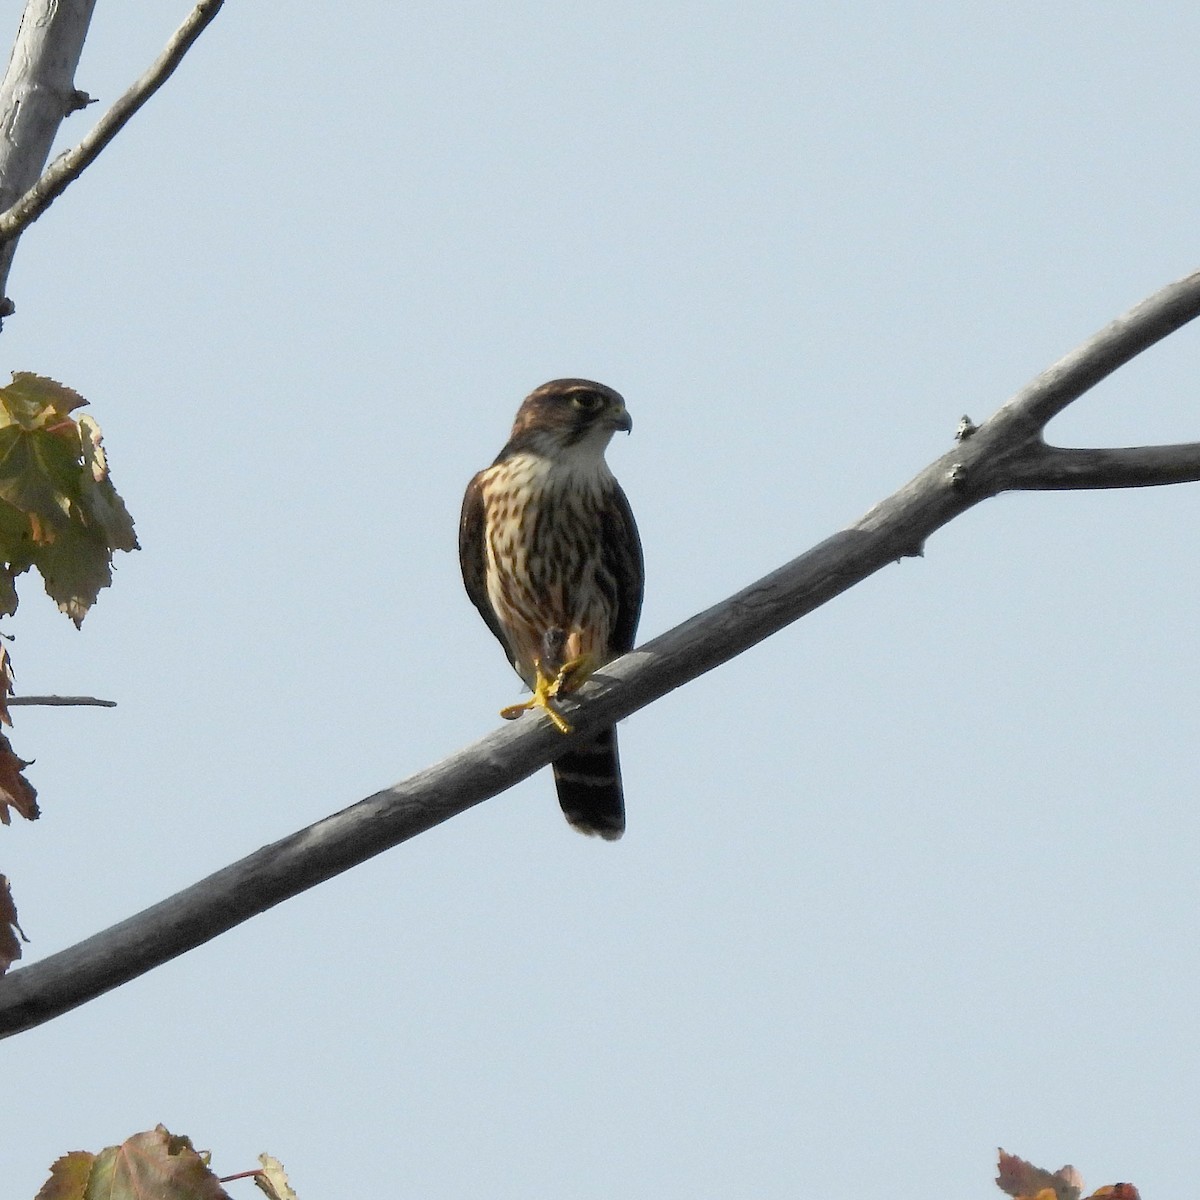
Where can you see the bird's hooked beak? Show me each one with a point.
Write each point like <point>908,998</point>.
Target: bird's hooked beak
<point>619,418</point>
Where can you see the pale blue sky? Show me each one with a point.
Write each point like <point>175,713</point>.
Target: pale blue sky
<point>910,881</point>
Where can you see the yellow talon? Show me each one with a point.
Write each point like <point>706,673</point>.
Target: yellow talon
<point>544,691</point>
<point>572,674</point>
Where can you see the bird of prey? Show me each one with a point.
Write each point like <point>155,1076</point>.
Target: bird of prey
<point>551,558</point>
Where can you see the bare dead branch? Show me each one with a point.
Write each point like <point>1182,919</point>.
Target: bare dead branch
<point>36,93</point>
<point>60,702</point>
<point>983,464</point>
<point>69,166</point>
<point>1153,319</point>
<point>1055,468</point>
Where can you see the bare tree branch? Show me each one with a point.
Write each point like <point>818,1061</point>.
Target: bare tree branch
<point>56,55</point>
<point>1146,323</point>
<point>1005,453</point>
<point>1055,468</point>
<point>37,92</point>
<point>60,702</point>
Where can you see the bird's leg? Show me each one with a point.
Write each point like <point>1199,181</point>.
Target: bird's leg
<point>545,688</point>
<point>554,649</point>
<point>569,673</point>
<point>553,678</point>
<point>573,674</point>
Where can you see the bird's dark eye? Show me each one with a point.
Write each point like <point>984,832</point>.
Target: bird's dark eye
<point>587,401</point>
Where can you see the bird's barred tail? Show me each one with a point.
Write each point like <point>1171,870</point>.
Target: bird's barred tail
<point>589,787</point>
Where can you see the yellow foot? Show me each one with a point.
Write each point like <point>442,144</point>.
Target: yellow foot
<point>572,674</point>
<point>544,692</point>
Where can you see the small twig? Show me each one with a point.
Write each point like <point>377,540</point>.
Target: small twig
<point>61,701</point>
<point>65,169</point>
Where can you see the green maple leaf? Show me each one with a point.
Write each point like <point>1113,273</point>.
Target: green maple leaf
<point>100,499</point>
<point>39,471</point>
<point>33,401</point>
<point>75,566</point>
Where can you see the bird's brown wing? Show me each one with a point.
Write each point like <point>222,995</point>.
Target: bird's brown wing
<point>472,558</point>
<point>623,556</point>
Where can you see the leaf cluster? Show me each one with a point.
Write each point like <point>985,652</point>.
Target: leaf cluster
<point>60,514</point>
<point>59,511</point>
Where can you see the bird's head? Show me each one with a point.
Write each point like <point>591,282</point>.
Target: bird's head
<point>569,416</point>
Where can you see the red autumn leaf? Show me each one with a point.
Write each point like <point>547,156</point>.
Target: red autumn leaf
<point>6,683</point>
<point>1024,1181</point>
<point>154,1163</point>
<point>10,931</point>
<point>15,790</point>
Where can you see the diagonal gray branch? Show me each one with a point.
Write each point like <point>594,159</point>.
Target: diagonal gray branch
<point>37,92</point>
<point>993,459</point>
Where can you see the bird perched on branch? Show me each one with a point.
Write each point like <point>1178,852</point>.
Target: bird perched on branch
<point>551,558</point>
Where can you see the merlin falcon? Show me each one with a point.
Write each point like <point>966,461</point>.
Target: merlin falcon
<point>551,558</point>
